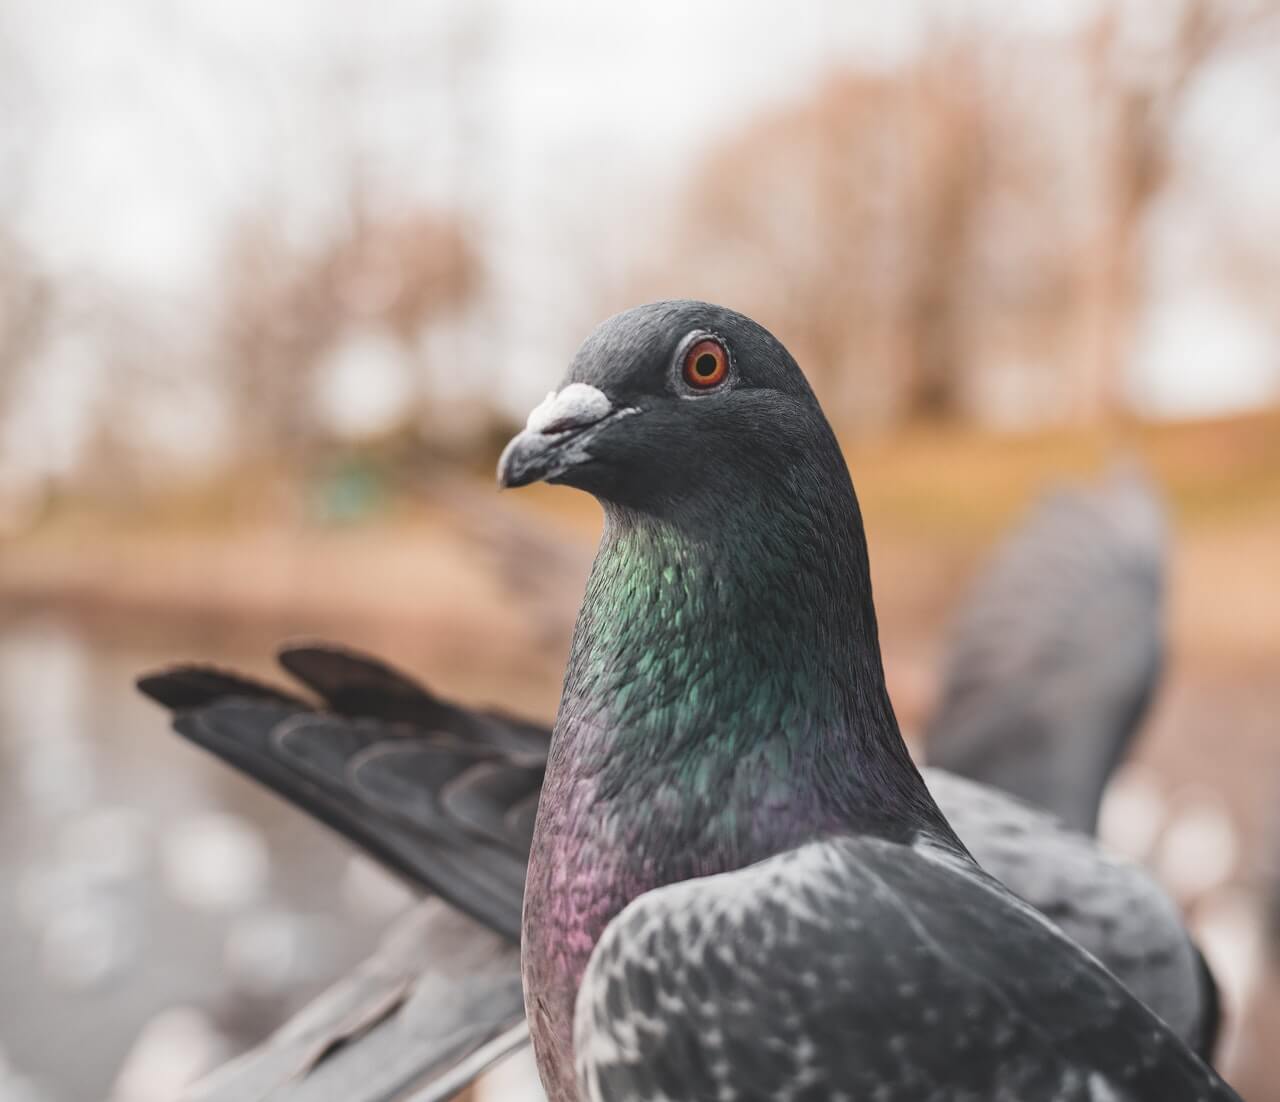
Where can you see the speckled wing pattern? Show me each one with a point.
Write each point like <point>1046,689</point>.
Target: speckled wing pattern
<point>862,969</point>
<point>1110,906</point>
<point>1054,656</point>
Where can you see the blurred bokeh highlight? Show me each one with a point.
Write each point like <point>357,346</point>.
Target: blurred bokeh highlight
<point>277,280</point>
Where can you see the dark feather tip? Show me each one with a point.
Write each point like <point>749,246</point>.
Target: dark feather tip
<point>182,688</point>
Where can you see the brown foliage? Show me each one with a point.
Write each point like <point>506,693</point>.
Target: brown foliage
<point>968,225</point>
<point>286,307</point>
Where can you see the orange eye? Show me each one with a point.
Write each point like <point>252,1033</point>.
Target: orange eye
<point>706,364</point>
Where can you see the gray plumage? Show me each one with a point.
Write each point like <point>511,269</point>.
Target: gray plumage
<point>908,996</point>
<point>406,995</point>
<point>1107,904</point>
<point>1055,656</point>
<point>872,949</point>
<point>1111,907</point>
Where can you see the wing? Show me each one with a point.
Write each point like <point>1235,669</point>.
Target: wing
<point>1110,906</point>
<point>858,968</point>
<point>392,1026</point>
<point>442,795</point>
<point>1054,657</point>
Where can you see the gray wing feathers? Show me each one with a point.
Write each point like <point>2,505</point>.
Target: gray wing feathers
<point>419,1027</point>
<point>442,795</point>
<point>1109,906</point>
<point>883,972</point>
<point>1053,658</point>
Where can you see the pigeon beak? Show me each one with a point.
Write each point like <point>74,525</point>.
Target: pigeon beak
<point>557,435</point>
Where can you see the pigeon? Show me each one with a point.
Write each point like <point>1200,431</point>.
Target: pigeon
<point>1054,657</point>
<point>739,884</point>
<point>367,709</point>
<point>390,1003</point>
<point>729,608</point>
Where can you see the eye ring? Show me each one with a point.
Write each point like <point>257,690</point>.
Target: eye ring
<point>706,364</point>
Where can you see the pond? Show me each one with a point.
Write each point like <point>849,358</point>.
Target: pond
<point>157,911</point>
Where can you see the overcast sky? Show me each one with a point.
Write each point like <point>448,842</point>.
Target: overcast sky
<point>146,126</point>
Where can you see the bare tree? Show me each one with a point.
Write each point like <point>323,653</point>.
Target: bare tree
<point>922,234</point>
<point>286,307</point>
<point>1138,101</point>
<point>26,302</point>
<point>950,128</point>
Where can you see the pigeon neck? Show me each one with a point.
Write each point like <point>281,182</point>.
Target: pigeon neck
<point>724,702</point>
<point>732,661</point>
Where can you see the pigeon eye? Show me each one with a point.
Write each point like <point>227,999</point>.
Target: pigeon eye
<point>706,364</point>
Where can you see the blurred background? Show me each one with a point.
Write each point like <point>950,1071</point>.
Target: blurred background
<point>277,281</point>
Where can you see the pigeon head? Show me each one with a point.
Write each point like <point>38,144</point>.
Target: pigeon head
<point>732,578</point>
<point>672,406</point>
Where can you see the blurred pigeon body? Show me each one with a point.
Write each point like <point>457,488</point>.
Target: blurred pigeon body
<point>739,883</point>
<point>392,1025</point>
<point>1055,655</point>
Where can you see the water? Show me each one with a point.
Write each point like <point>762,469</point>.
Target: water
<point>157,911</point>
